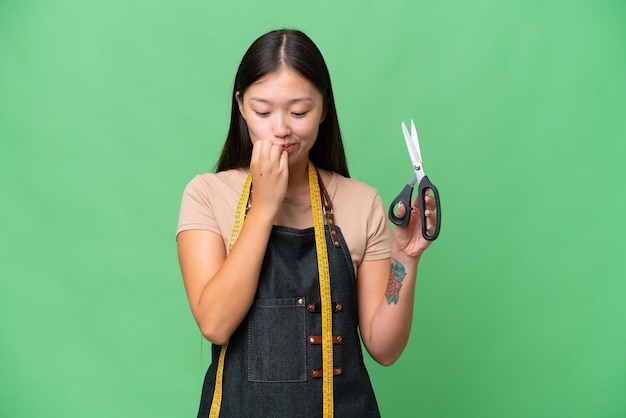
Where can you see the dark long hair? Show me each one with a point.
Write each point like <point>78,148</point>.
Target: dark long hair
<point>272,51</point>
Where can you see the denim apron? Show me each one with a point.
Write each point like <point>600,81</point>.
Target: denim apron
<point>273,365</point>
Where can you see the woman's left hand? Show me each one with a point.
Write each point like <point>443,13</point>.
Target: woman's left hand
<point>409,239</point>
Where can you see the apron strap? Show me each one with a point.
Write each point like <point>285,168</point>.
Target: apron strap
<point>327,207</point>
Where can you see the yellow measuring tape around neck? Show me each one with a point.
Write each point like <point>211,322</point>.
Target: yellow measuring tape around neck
<point>324,279</point>
<point>240,215</point>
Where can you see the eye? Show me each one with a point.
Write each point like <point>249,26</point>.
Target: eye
<point>299,114</point>
<point>262,114</point>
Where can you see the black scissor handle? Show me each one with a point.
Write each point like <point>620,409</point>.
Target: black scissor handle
<point>423,188</point>
<point>405,198</point>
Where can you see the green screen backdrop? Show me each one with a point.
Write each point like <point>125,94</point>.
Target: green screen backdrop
<point>107,110</point>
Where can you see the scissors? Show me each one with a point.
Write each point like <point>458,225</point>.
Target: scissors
<point>424,188</point>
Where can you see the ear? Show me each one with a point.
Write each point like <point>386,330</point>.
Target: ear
<point>239,99</point>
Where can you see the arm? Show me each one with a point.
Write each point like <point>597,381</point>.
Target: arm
<point>385,290</point>
<point>221,288</point>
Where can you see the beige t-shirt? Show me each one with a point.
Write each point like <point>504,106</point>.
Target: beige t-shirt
<point>210,200</point>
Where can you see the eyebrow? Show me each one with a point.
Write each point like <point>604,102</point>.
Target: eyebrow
<point>296,100</point>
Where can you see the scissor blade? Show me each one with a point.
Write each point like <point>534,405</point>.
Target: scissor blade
<point>416,142</point>
<point>413,151</point>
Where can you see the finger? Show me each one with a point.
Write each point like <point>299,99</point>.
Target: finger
<point>431,214</point>
<point>283,165</point>
<point>431,220</point>
<point>415,204</point>
<point>401,210</point>
<point>256,152</point>
<point>269,154</point>
<point>266,147</point>
<point>275,152</point>
<point>430,203</point>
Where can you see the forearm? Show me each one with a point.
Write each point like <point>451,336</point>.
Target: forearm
<point>390,326</point>
<point>228,295</point>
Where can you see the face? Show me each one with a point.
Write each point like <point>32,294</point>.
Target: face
<point>286,109</point>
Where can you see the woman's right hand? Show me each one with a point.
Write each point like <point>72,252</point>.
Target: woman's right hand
<point>221,289</point>
<point>270,174</point>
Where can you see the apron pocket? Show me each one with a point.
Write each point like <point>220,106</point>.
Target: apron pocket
<point>277,340</point>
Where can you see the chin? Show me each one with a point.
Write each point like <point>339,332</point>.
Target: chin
<point>293,160</point>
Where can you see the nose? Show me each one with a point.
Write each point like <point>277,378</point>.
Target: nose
<point>280,126</point>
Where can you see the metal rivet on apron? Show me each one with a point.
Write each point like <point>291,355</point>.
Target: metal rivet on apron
<point>317,339</point>
<point>316,373</point>
<point>311,307</point>
<point>338,307</point>
<point>300,301</point>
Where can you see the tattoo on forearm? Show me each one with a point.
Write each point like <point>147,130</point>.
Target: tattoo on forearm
<point>396,276</point>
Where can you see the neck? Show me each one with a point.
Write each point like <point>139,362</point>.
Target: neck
<point>298,184</point>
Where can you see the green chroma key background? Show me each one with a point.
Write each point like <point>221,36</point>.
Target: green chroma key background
<point>107,109</point>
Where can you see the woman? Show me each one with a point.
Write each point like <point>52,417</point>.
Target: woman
<point>255,253</point>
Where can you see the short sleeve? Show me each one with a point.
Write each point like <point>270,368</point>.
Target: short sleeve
<point>196,211</point>
<point>379,236</point>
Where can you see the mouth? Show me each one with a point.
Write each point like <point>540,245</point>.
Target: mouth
<point>289,147</point>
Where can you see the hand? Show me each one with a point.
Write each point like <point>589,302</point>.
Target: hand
<point>270,173</point>
<point>409,239</point>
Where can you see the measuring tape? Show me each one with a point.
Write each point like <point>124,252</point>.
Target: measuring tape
<point>326,309</point>
<point>240,215</point>
<point>324,279</point>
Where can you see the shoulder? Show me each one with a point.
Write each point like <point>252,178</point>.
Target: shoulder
<point>228,178</point>
<point>210,200</point>
<point>353,199</point>
<point>207,185</point>
<point>345,188</point>
<point>361,215</point>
